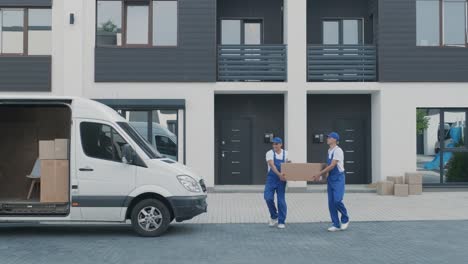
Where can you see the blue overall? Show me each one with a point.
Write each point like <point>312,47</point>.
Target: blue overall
<point>273,184</point>
<point>336,189</point>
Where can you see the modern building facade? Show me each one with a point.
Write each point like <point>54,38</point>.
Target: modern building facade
<point>209,82</point>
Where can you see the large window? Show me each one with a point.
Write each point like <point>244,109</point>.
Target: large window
<point>25,31</point>
<point>442,149</point>
<point>441,23</point>
<point>160,127</point>
<point>136,23</point>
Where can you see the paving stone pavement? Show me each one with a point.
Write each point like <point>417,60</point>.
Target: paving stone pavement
<point>312,207</point>
<point>364,242</point>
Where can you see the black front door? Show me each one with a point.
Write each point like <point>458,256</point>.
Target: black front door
<point>235,152</point>
<point>352,141</point>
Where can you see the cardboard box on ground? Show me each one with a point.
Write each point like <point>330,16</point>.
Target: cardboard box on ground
<point>301,171</point>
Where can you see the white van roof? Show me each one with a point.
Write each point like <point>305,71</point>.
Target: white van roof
<point>81,107</point>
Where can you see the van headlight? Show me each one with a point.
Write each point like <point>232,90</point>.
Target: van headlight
<point>189,183</point>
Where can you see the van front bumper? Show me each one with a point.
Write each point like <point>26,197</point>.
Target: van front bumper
<point>187,207</point>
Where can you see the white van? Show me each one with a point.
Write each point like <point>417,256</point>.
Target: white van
<point>105,172</point>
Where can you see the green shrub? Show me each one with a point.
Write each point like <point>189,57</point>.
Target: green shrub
<point>457,167</point>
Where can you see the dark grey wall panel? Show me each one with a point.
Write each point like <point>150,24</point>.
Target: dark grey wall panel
<point>26,3</point>
<point>194,60</point>
<point>269,10</point>
<point>317,10</point>
<point>266,113</point>
<point>399,57</point>
<point>25,73</point>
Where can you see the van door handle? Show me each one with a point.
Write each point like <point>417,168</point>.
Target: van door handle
<point>86,169</point>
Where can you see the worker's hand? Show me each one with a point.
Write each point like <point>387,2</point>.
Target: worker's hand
<point>316,177</point>
<point>282,177</point>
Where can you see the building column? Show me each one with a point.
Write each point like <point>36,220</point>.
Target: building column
<point>200,133</point>
<point>72,59</point>
<point>295,26</point>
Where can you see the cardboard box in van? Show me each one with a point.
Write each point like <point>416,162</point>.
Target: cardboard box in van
<point>301,171</point>
<point>54,181</point>
<point>61,149</point>
<point>46,149</point>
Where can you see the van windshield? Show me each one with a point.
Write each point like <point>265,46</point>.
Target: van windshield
<point>141,141</point>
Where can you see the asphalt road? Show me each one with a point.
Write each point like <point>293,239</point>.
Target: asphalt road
<point>372,242</point>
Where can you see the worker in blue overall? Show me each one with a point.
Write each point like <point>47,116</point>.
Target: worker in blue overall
<point>276,183</point>
<point>335,183</point>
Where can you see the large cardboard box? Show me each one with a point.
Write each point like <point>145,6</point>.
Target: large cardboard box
<point>301,171</point>
<point>54,181</point>
<point>61,149</point>
<point>385,188</point>
<point>46,149</point>
<point>415,189</point>
<point>413,178</point>
<point>396,179</point>
<point>401,190</point>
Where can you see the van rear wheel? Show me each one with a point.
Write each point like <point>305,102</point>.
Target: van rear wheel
<point>150,218</point>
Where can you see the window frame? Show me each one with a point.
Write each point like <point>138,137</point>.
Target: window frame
<point>124,12</point>
<point>441,27</point>
<point>25,31</point>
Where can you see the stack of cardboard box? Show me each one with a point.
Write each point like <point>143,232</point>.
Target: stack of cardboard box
<point>414,181</point>
<point>54,171</point>
<point>401,186</point>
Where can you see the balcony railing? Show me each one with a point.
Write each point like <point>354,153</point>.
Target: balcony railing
<point>341,63</point>
<point>251,63</point>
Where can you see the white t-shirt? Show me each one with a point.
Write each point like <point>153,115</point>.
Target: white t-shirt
<point>338,155</point>
<point>269,156</point>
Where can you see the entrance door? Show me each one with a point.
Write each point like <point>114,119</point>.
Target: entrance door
<point>235,152</point>
<point>352,141</point>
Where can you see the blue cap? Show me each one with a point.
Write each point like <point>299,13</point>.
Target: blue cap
<point>334,135</point>
<point>277,140</point>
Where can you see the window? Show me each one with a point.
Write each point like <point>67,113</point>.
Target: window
<point>160,128</point>
<point>246,31</point>
<point>26,31</point>
<point>331,33</point>
<point>166,145</point>
<point>454,22</point>
<point>101,141</point>
<point>165,23</point>
<point>12,31</point>
<point>343,31</point>
<point>40,32</point>
<point>109,23</point>
<point>442,148</point>
<point>441,23</point>
<point>137,23</point>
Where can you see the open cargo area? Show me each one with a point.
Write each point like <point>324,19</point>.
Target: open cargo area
<point>34,159</point>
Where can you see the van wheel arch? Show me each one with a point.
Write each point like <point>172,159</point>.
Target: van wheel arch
<point>145,196</point>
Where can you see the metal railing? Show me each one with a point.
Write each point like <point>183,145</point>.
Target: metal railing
<point>252,63</point>
<point>341,63</point>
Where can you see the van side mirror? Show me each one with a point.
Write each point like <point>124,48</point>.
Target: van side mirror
<point>128,154</point>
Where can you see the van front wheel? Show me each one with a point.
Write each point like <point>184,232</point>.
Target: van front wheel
<point>150,218</point>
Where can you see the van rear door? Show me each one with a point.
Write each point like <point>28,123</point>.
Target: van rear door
<point>104,181</point>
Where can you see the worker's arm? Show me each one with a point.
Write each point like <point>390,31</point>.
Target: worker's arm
<point>327,169</point>
<point>275,170</point>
